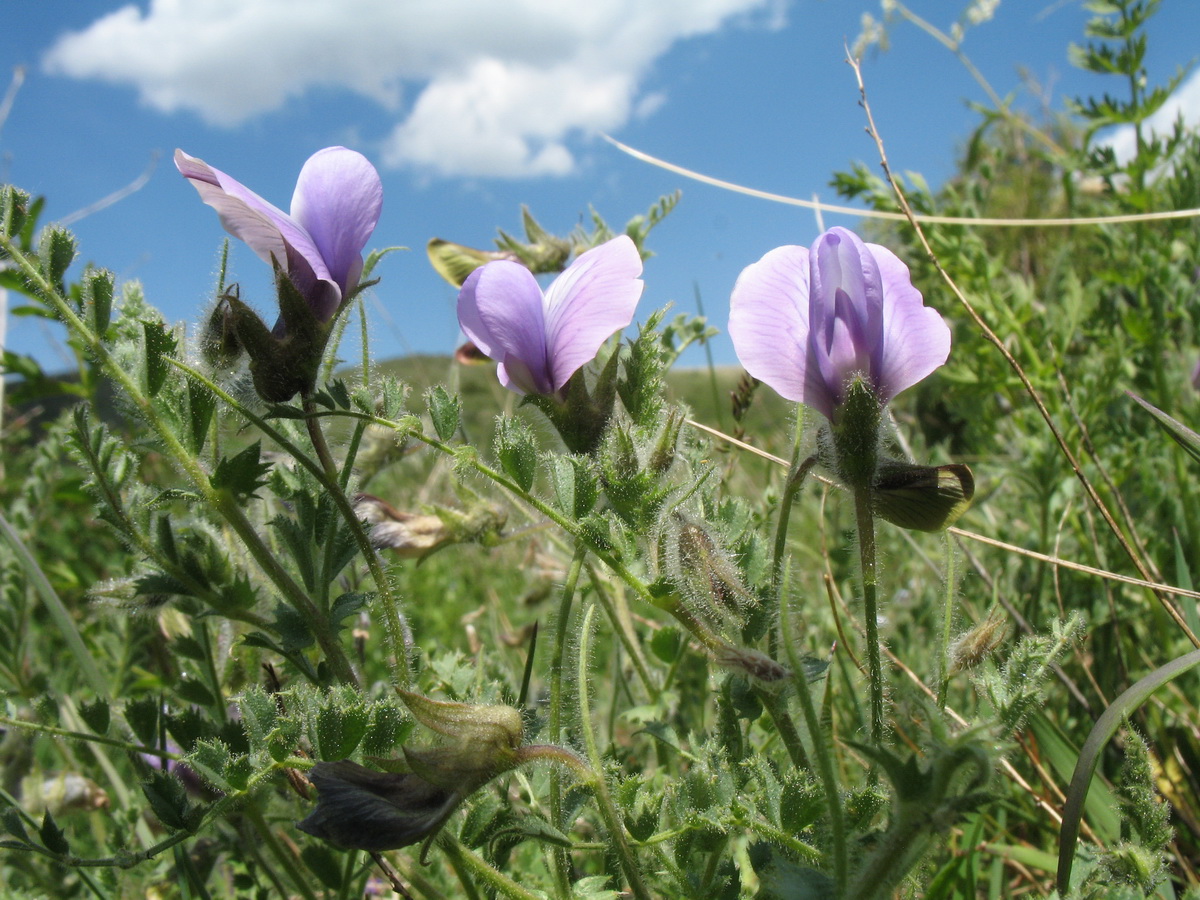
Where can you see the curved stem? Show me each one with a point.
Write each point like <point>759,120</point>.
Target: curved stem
<point>466,863</point>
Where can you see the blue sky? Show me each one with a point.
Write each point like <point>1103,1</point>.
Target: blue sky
<point>470,108</point>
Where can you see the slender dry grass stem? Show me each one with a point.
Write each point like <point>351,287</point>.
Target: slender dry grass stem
<point>994,339</point>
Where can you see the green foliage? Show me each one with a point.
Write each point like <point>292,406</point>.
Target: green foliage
<point>192,555</point>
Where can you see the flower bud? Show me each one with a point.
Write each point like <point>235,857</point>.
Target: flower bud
<point>707,578</point>
<point>483,742</point>
<point>974,646</point>
<point>750,662</point>
<point>493,728</point>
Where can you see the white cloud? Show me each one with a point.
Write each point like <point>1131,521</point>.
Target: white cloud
<point>1184,102</point>
<point>500,87</point>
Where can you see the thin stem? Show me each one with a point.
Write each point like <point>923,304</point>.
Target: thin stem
<point>287,862</point>
<point>466,864</point>
<point>620,626</point>
<point>220,500</point>
<point>317,436</point>
<point>822,751</point>
<point>777,709</point>
<point>865,523</point>
<point>85,737</point>
<point>604,801</point>
<point>388,603</point>
<point>562,863</point>
<point>1032,391</point>
<point>947,618</point>
<point>795,480</point>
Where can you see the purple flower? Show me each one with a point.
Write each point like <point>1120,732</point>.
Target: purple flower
<point>808,321</point>
<point>334,210</point>
<point>541,340</point>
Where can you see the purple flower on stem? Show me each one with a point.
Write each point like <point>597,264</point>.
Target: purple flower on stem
<point>808,322</point>
<point>335,208</point>
<point>541,340</point>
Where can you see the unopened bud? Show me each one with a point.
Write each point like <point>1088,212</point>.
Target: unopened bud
<point>62,793</point>
<point>708,579</point>
<point>974,646</point>
<point>494,727</point>
<point>483,742</point>
<point>664,448</point>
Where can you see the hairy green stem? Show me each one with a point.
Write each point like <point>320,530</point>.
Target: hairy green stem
<point>388,604</point>
<point>618,625</point>
<point>821,749</point>
<point>777,709</point>
<point>286,862</point>
<point>865,522</point>
<point>947,619</point>
<point>562,863</point>
<point>85,737</point>
<point>468,865</point>
<point>604,801</point>
<point>220,500</point>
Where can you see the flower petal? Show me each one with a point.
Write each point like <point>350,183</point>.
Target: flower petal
<point>337,200</point>
<point>846,307</point>
<point>916,339</point>
<point>263,227</point>
<point>500,310</point>
<point>768,322</point>
<point>592,299</point>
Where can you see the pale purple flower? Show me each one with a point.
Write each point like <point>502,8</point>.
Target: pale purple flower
<point>809,321</point>
<point>335,208</point>
<point>541,340</point>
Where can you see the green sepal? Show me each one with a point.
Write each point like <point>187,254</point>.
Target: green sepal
<point>52,836</point>
<point>516,450</point>
<point>242,475</point>
<point>856,436</point>
<point>96,714</point>
<point>445,410</point>
<point>57,250</point>
<point>160,343</point>
<point>98,298</point>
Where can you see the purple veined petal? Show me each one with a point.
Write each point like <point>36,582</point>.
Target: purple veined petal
<point>916,339</point>
<point>260,225</point>
<point>592,299</point>
<point>500,310</point>
<point>243,213</point>
<point>337,201</point>
<point>847,353</point>
<point>515,375</point>
<point>769,326</point>
<point>846,286</point>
